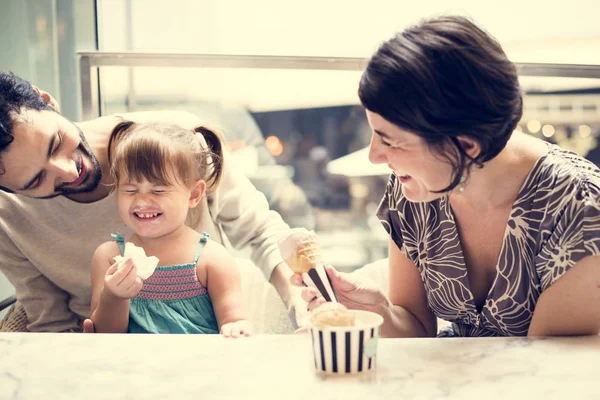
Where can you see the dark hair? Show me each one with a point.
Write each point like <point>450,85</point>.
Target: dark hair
<point>441,79</point>
<point>157,151</point>
<point>15,94</point>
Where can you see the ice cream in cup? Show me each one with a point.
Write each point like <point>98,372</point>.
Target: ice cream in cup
<point>344,341</point>
<point>301,252</point>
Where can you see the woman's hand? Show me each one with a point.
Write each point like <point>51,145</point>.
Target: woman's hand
<point>350,291</point>
<point>121,280</point>
<point>236,329</point>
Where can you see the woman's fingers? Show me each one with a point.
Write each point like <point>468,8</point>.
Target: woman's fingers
<point>308,293</point>
<point>316,302</point>
<point>296,280</point>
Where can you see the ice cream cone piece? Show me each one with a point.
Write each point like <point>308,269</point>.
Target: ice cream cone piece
<point>301,252</point>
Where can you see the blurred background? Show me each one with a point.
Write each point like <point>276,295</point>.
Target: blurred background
<point>299,134</point>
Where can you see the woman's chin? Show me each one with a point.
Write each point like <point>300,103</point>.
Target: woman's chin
<point>419,194</point>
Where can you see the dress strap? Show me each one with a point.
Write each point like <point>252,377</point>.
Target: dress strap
<point>120,241</point>
<point>203,240</point>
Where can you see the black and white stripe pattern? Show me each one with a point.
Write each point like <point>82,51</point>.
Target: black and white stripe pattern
<point>344,351</point>
<point>318,278</point>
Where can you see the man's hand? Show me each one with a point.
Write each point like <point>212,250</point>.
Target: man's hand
<point>297,310</point>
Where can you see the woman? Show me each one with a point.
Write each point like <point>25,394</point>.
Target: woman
<point>490,229</point>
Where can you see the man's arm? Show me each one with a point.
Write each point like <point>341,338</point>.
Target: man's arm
<point>45,303</point>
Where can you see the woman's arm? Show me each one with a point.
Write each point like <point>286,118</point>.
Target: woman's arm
<point>109,313</point>
<point>224,284</point>
<point>406,313</point>
<point>571,306</point>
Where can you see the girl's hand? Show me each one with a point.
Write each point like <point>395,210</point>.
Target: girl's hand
<point>350,291</point>
<point>121,280</point>
<point>236,329</point>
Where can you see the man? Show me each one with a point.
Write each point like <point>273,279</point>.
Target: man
<point>46,245</point>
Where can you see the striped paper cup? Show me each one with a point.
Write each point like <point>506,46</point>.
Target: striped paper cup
<point>347,349</point>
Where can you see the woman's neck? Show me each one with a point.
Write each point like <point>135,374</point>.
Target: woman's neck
<point>498,183</point>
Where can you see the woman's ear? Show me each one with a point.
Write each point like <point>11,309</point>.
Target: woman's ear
<point>469,145</point>
<point>198,191</point>
<point>47,97</point>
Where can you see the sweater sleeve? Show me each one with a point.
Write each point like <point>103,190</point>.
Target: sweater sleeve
<point>244,215</point>
<point>45,304</point>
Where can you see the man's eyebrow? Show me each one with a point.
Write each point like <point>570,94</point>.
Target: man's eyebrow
<point>39,174</point>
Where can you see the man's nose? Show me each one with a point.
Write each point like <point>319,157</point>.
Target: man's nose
<point>65,169</point>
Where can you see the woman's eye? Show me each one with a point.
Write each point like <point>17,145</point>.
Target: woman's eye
<point>158,191</point>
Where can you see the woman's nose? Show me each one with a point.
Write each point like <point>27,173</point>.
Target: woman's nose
<point>66,169</point>
<point>376,152</point>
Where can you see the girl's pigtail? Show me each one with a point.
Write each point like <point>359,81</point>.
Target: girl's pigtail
<point>214,141</point>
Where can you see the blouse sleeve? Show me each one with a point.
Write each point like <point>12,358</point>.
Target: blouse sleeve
<point>388,213</point>
<point>574,234</point>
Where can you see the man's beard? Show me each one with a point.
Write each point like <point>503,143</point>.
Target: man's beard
<point>94,172</point>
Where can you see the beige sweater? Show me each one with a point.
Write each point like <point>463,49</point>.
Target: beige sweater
<point>46,245</point>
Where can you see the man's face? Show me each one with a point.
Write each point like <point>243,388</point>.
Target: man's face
<point>48,157</point>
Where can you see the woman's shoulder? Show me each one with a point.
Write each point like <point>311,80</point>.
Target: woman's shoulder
<point>565,173</point>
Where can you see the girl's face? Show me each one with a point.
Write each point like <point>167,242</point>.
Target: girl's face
<point>419,169</point>
<point>153,210</point>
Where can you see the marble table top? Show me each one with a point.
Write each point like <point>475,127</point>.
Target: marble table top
<point>79,366</point>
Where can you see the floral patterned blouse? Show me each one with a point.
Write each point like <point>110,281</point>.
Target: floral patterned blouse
<point>554,223</point>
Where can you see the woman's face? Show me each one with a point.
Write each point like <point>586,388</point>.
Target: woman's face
<point>418,169</point>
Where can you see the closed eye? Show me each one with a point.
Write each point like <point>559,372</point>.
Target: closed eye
<point>58,143</point>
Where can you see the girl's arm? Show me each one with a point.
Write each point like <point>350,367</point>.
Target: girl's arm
<point>224,284</point>
<point>110,313</point>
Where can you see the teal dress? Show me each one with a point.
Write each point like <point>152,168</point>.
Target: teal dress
<point>172,300</point>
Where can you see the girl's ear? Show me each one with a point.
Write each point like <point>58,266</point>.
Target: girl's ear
<point>197,193</point>
<point>469,145</point>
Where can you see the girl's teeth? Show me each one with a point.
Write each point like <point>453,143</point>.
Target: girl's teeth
<point>147,215</point>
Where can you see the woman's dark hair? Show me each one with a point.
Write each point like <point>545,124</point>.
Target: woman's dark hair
<point>445,78</point>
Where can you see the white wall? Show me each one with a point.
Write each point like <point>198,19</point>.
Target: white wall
<point>530,31</point>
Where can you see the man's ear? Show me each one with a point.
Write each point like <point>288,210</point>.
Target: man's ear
<point>469,145</point>
<point>198,191</point>
<point>47,97</point>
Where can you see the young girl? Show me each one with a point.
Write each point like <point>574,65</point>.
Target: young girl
<point>160,173</point>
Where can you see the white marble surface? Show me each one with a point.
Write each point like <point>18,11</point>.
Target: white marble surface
<point>78,366</point>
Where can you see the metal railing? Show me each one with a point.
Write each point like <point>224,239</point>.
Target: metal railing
<point>90,62</point>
